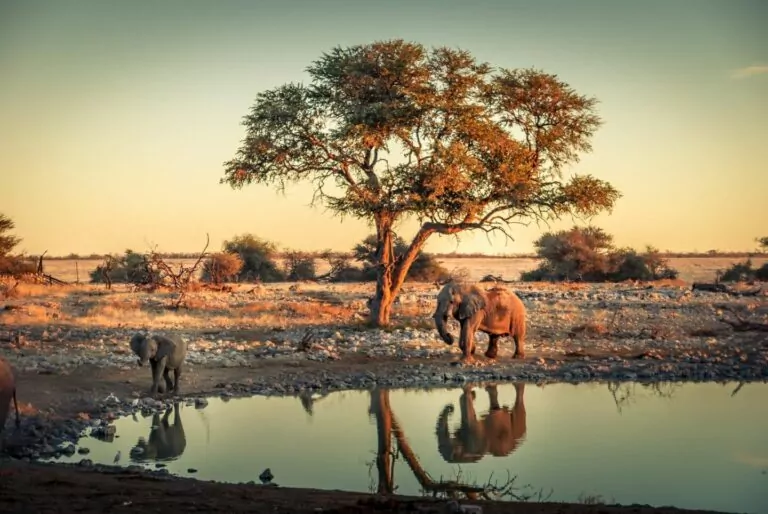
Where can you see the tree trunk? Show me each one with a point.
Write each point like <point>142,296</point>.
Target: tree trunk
<point>381,306</point>
<point>391,272</point>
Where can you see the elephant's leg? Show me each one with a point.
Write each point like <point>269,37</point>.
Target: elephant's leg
<point>493,397</point>
<point>519,347</point>
<point>156,372</point>
<point>176,375</point>
<point>168,381</point>
<point>493,346</point>
<point>467,339</point>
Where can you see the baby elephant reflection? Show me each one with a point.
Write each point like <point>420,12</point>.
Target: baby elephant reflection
<point>499,432</point>
<point>165,442</point>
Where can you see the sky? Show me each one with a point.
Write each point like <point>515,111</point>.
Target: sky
<point>116,117</point>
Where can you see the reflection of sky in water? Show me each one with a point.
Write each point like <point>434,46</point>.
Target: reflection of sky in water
<point>701,448</point>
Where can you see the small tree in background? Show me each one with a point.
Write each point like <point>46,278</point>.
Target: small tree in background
<point>391,130</point>
<point>299,266</point>
<point>11,264</point>
<point>130,268</point>
<point>7,241</point>
<point>258,256</point>
<point>762,243</point>
<point>221,267</point>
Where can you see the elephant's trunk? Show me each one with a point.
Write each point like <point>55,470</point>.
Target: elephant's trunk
<point>144,356</point>
<point>441,322</point>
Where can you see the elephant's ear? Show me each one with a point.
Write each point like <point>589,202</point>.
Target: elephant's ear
<point>137,342</point>
<point>470,305</point>
<point>165,348</point>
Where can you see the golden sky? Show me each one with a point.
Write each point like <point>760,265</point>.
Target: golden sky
<point>117,117</point>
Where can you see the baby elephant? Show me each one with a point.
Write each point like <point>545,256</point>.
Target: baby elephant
<point>163,354</point>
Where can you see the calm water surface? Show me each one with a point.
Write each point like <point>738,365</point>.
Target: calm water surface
<point>687,445</point>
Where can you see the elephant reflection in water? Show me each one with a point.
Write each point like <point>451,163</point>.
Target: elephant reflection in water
<point>499,432</point>
<point>166,441</point>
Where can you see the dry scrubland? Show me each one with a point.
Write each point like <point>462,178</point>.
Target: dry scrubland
<point>692,269</point>
<point>55,328</point>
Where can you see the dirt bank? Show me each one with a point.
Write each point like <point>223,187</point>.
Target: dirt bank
<point>42,488</point>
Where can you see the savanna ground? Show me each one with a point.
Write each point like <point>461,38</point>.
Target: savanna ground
<point>69,345</point>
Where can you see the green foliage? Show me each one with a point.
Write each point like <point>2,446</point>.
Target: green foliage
<point>258,256</point>
<point>130,268</point>
<point>588,255</point>
<point>221,267</point>
<point>300,266</point>
<point>761,273</point>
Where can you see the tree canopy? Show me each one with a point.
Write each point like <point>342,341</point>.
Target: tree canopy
<point>392,130</point>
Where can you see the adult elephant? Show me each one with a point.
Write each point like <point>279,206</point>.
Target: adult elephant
<point>7,393</point>
<point>166,442</point>
<point>499,432</point>
<point>497,312</point>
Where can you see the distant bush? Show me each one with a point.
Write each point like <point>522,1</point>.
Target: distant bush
<point>16,265</point>
<point>130,268</point>
<point>588,255</point>
<point>221,267</point>
<point>258,258</point>
<point>744,272</point>
<point>299,266</point>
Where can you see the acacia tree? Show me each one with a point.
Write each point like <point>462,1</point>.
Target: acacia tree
<point>391,130</point>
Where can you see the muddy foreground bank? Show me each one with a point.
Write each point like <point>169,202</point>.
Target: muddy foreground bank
<point>42,488</point>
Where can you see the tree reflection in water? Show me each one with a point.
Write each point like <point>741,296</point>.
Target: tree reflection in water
<point>499,432</point>
<point>625,393</point>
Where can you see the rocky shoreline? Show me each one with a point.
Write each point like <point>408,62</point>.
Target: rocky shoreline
<point>41,437</point>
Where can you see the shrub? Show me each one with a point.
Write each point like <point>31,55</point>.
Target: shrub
<point>744,272</point>
<point>16,265</point>
<point>588,255</point>
<point>222,267</point>
<point>258,258</point>
<point>130,268</point>
<point>299,266</point>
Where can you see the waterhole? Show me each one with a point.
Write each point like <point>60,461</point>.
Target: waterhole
<point>685,445</point>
